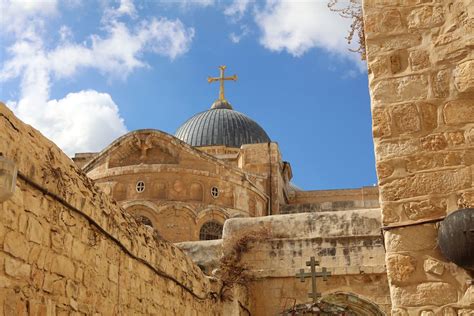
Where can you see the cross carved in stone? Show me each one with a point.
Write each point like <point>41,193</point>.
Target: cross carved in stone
<point>312,263</point>
<point>221,79</point>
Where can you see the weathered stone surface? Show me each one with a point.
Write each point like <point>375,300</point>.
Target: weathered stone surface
<point>35,232</point>
<point>400,267</point>
<point>427,183</point>
<point>386,21</point>
<point>434,142</point>
<point>419,59</point>
<point>406,118</point>
<point>380,122</point>
<point>411,238</point>
<point>440,83</point>
<point>16,268</point>
<point>63,266</point>
<point>464,76</point>
<point>425,17</point>
<point>459,111</point>
<point>433,266</point>
<point>16,245</point>
<point>8,171</point>
<point>429,293</point>
<point>424,163</point>
<point>384,170</point>
<point>432,208</point>
<point>407,88</point>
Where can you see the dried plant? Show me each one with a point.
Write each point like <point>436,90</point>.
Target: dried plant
<point>352,9</point>
<point>231,270</point>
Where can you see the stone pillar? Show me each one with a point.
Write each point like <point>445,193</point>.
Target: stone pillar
<point>420,57</point>
<point>8,173</point>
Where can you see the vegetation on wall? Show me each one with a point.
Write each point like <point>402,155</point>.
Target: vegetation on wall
<point>352,10</point>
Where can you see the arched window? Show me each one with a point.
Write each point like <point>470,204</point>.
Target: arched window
<point>210,230</point>
<point>144,220</point>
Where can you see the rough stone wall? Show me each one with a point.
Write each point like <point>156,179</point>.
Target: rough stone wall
<point>348,244</point>
<point>421,71</point>
<point>66,248</point>
<point>331,200</point>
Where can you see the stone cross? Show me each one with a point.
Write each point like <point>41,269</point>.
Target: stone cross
<point>313,274</point>
<point>222,78</point>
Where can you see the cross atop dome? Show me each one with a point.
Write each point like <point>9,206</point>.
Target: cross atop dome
<point>221,103</point>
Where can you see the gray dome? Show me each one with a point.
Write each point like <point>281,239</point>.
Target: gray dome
<point>221,126</point>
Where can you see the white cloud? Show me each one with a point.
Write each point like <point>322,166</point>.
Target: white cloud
<point>237,37</point>
<point>298,26</point>
<point>86,120</point>
<point>22,17</point>
<point>237,8</point>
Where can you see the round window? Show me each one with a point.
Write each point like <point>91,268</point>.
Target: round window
<point>214,192</point>
<point>140,187</point>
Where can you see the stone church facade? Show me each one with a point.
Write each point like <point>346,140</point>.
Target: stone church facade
<point>207,222</point>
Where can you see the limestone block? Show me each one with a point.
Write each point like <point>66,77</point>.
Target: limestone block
<point>17,269</point>
<point>63,266</point>
<point>386,21</point>
<point>464,76</point>
<point>35,232</point>
<point>425,209</point>
<point>425,17</point>
<point>427,183</point>
<point>16,245</point>
<point>419,59</point>
<point>411,238</point>
<point>440,81</point>
<point>449,311</point>
<point>400,267</point>
<point>429,115</point>
<point>434,142</point>
<point>428,293</point>
<point>391,149</point>
<point>406,118</point>
<point>8,172</point>
<point>399,312</point>
<point>459,112</point>
<point>380,122</point>
<point>384,170</point>
<point>414,87</point>
<point>433,266</point>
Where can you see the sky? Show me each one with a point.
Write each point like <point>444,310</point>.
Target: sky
<point>86,72</point>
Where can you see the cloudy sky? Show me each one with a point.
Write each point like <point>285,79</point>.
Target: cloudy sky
<point>86,72</point>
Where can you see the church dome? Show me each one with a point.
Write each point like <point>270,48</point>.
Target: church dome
<point>221,125</point>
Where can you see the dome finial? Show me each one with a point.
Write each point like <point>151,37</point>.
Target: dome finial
<point>221,101</point>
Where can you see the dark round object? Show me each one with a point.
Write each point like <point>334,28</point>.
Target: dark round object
<point>456,238</point>
<point>221,126</point>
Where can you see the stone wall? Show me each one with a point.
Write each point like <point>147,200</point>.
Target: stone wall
<point>66,248</point>
<point>421,71</point>
<point>331,200</point>
<point>274,248</point>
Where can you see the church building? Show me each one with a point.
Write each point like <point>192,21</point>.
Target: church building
<point>220,164</point>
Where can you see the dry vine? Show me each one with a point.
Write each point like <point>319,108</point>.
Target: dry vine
<point>352,10</point>
<point>231,271</point>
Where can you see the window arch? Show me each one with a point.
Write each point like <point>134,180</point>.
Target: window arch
<point>210,230</point>
<point>144,220</point>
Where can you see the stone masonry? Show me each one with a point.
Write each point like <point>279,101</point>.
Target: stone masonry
<point>67,249</point>
<point>421,72</point>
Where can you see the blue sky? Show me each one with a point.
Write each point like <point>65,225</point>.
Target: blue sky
<point>84,73</point>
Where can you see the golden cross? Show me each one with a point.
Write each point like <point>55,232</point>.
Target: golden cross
<point>221,79</point>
